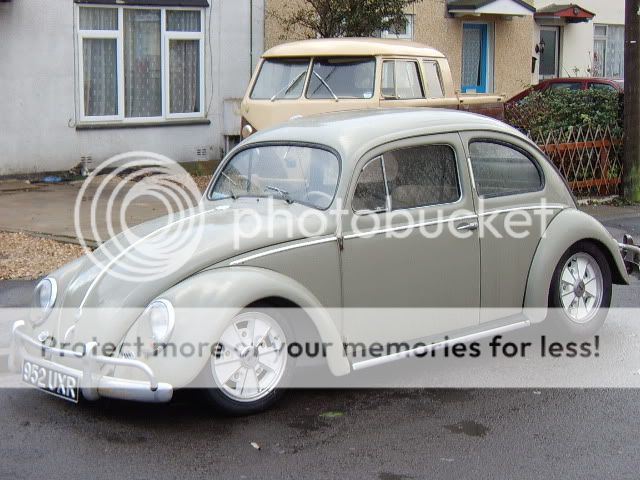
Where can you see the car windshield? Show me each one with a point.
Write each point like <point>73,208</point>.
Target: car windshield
<point>280,79</point>
<point>293,173</point>
<point>336,78</point>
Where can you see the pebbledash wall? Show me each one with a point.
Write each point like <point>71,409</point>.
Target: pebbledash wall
<point>433,25</point>
<point>42,128</point>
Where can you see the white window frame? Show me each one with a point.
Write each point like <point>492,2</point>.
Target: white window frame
<point>118,35</point>
<point>406,36</point>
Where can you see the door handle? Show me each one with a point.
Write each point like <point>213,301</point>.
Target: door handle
<point>467,227</point>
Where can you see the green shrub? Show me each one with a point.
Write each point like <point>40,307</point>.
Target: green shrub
<point>541,112</point>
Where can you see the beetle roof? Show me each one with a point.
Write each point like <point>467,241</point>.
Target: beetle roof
<point>353,132</point>
<point>333,47</point>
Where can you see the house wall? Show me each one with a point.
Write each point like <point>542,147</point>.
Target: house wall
<point>39,89</point>
<point>576,39</point>
<point>435,27</point>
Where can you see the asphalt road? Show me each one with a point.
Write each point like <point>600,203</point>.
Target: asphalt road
<point>379,434</point>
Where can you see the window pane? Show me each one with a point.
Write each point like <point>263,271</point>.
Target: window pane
<point>599,57</point>
<point>420,176</point>
<point>401,80</point>
<point>342,77</point>
<point>300,174</point>
<point>280,79</point>
<point>370,194</point>
<point>142,75</point>
<point>98,19</point>
<point>565,86</point>
<point>502,170</point>
<point>614,57</point>
<point>100,81</point>
<point>548,58</point>
<point>183,21</point>
<point>432,77</point>
<point>600,30</point>
<point>184,76</point>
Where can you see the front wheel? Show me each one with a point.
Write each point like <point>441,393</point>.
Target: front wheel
<point>250,365</point>
<point>580,291</point>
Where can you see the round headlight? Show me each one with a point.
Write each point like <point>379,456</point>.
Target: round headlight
<point>45,295</point>
<point>160,319</point>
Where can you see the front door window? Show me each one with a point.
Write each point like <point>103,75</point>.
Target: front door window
<point>475,58</point>
<point>549,56</point>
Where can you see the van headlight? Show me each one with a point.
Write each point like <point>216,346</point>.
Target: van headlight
<point>44,298</point>
<point>157,321</point>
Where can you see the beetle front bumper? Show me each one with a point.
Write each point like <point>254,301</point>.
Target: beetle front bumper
<point>92,381</point>
<point>631,256</point>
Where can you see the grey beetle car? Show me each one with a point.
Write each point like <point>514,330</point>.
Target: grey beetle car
<point>408,172</point>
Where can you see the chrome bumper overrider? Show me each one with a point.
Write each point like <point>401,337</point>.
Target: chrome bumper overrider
<point>93,383</point>
<point>631,255</point>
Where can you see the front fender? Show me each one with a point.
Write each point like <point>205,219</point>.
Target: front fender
<point>568,227</point>
<point>225,292</point>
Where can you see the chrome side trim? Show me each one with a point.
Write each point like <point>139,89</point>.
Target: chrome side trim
<point>240,261</point>
<point>413,225</point>
<point>434,346</point>
<point>514,209</point>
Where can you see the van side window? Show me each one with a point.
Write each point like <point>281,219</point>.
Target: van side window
<point>401,80</point>
<point>500,169</point>
<point>432,79</point>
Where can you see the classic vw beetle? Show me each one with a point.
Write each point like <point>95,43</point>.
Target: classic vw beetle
<point>397,177</point>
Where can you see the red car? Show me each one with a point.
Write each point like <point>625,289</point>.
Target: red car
<point>571,83</point>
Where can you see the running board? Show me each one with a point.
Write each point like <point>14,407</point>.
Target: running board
<point>423,350</point>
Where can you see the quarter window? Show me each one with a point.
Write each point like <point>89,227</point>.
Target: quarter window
<point>371,193</point>
<point>143,64</point>
<point>401,80</point>
<point>500,169</point>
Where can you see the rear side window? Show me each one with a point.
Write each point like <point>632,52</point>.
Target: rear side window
<point>602,86</point>
<point>432,79</point>
<point>421,176</point>
<point>401,80</point>
<point>565,86</point>
<point>342,78</point>
<point>500,169</point>
<point>371,193</point>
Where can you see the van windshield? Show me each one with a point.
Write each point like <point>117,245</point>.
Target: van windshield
<point>280,79</point>
<point>342,78</point>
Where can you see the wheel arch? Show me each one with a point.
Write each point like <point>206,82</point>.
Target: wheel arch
<point>569,227</point>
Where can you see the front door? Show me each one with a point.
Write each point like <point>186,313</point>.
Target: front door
<point>400,251</point>
<point>550,53</point>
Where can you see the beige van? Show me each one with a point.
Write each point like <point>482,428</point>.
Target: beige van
<point>324,75</point>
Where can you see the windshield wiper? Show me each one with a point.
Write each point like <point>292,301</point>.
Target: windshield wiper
<point>335,97</point>
<point>283,193</point>
<point>286,89</point>
<point>231,192</point>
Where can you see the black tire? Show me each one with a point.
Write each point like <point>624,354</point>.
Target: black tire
<point>227,405</point>
<point>559,322</point>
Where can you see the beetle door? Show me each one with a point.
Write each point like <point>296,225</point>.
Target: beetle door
<point>406,200</point>
<point>513,211</point>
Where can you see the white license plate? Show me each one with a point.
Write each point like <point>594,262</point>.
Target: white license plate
<point>51,381</point>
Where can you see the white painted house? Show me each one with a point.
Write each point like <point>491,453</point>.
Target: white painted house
<point>88,79</point>
<point>580,39</point>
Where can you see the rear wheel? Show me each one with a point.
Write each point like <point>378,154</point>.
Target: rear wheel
<point>250,366</point>
<point>580,291</point>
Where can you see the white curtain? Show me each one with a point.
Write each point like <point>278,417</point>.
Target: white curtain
<point>471,56</point>
<point>614,63</point>
<point>184,76</point>
<point>183,21</point>
<point>142,65</point>
<point>100,79</point>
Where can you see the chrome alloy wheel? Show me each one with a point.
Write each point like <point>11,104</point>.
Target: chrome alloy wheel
<point>251,357</point>
<point>581,287</point>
